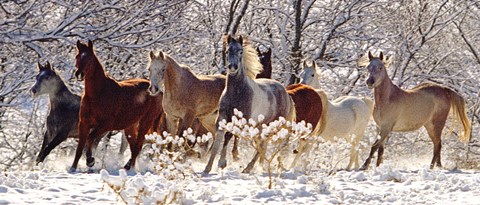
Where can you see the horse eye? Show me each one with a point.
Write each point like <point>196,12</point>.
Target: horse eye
<point>313,75</point>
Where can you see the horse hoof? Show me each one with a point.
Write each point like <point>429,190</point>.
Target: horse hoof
<point>246,171</point>
<point>72,170</point>
<point>127,166</point>
<point>90,162</point>
<point>205,173</point>
<point>222,163</point>
<point>363,168</point>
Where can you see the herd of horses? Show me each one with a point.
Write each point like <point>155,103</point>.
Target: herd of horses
<point>175,98</point>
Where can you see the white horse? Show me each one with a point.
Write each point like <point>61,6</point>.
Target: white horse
<point>345,116</point>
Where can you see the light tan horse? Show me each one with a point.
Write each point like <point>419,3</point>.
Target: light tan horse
<point>186,96</point>
<point>398,110</point>
<point>345,116</point>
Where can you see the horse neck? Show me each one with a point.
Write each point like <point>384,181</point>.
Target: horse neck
<point>175,75</point>
<point>239,78</point>
<point>61,95</point>
<point>95,78</point>
<point>384,91</point>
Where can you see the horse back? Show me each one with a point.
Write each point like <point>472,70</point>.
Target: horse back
<point>308,104</point>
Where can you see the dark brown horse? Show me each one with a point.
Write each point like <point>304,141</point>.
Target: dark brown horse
<point>110,105</point>
<point>397,110</point>
<point>266,61</point>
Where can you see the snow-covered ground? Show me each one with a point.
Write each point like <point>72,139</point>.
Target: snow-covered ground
<point>383,185</point>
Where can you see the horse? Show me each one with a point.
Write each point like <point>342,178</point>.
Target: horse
<point>266,61</point>
<point>253,97</point>
<point>110,105</point>
<point>345,116</point>
<point>62,119</point>
<point>187,97</point>
<point>397,110</point>
<point>309,107</point>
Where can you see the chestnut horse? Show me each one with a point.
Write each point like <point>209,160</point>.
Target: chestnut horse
<point>309,107</point>
<point>110,105</point>
<point>398,110</point>
<point>253,97</point>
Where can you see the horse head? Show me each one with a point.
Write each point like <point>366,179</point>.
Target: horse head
<point>376,67</point>
<point>156,65</point>
<point>45,81</point>
<point>310,74</point>
<point>234,53</point>
<point>85,52</point>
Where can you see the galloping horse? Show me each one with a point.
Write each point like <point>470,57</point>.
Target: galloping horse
<point>62,119</point>
<point>186,96</point>
<point>345,115</point>
<point>398,110</point>
<point>110,105</point>
<point>266,61</point>
<point>251,96</point>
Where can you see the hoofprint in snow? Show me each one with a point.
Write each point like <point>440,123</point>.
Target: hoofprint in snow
<point>383,185</point>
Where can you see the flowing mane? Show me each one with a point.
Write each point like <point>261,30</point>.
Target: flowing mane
<point>250,60</point>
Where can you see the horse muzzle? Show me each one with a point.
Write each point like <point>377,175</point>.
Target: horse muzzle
<point>153,90</point>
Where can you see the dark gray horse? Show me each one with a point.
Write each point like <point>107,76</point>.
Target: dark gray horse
<point>253,97</point>
<point>62,119</point>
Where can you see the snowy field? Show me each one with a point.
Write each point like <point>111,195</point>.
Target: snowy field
<point>391,183</point>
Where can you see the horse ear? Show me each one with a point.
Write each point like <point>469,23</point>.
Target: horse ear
<point>381,56</point>
<point>314,64</point>
<point>240,40</point>
<point>258,50</point>
<point>229,38</point>
<point>161,55</point>
<point>90,44</point>
<point>39,66</point>
<point>79,44</point>
<point>269,51</point>
<point>304,63</point>
<point>152,55</point>
<point>370,56</point>
<point>48,66</point>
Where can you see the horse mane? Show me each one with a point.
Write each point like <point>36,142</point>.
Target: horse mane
<point>250,60</point>
<point>167,57</point>
<point>365,60</point>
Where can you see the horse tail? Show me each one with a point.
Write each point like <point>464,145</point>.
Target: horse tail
<point>459,112</point>
<point>322,123</point>
<point>292,113</point>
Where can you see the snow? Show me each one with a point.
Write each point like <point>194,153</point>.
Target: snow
<point>382,185</point>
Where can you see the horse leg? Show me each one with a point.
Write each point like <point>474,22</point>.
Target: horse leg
<point>83,131</point>
<point>59,138</point>
<point>92,138</point>
<point>219,135</point>
<point>377,146</point>
<point>303,147</point>
<point>434,130</point>
<point>255,158</point>
<point>186,123</point>
<point>235,149</point>
<point>123,144</point>
<point>222,162</point>
<point>172,124</point>
<point>131,133</point>
<point>136,146</point>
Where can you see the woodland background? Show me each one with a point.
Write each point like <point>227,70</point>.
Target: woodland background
<point>436,40</point>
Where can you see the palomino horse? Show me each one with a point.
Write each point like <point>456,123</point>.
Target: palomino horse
<point>110,105</point>
<point>62,119</point>
<point>186,96</point>
<point>266,61</point>
<point>309,108</point>
<point>253,97</point>
<point>345,115</point>
<point>398,110</point>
